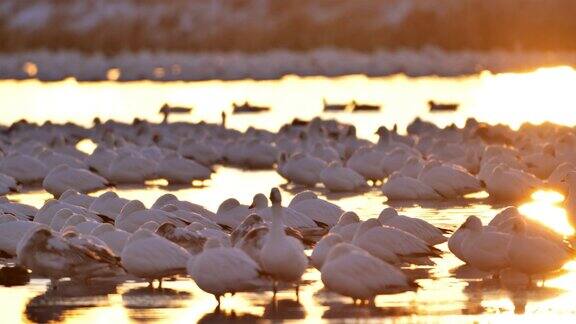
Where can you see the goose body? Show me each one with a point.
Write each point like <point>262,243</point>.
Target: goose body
<point>448,181</point>
<point>415,226</point>
<point>12,232</point>
<point>317,209</point>
<point>177,169</point>
<point>134,214</point>
<point>339,178</point>
<point>64,177</point>
<point>23,168</point>
<point>359,275</point>
<point>219,270</point>
<point>114,238</point>
<point>400,187</point>
<point>108,205</point>
<point>166,199</point>
<point>484,250</point>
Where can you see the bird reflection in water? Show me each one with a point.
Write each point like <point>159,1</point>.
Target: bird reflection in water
<point>54,303</point>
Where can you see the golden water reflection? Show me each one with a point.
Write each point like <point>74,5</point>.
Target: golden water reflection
<point>449,291</point>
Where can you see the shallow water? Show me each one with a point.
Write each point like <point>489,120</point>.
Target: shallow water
<point>447,291</point>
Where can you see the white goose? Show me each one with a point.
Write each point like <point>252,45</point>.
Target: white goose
<point>319,210</point>
<point>191,217</point>
<point>64,177</point>
<point>347,225</point>
<point>53,159</point>
<point>556,178</point>
<point>167,198</point>
<point>366,161</point>
<point>19,210</point>
<point>359,275</point>
<point>400,187</point>
<point>179,170</point>
<point>322,249</point>
<point>392,244</point>
<point>12,231</point>
<point>114,238</point>
<point>99,161</point>
<point>130,168</point>
<point>24,168</point>
<point>60,218</point>
<point>134,214</point>
<point>7,184</point>
<point>231,213</point>
<point>52,256</point>
<point>535,255</point>
<point>108,205</point>
<point>450,181</point>
<point>149,256</point>
<point>291,217</point>
<point>415,226</point>
<point>52,206</point>
<point>282,257</point>
<point>484,250</point>
<point>76,198</point>
<point>510,184</point>
<point>219,270</point>
<point>301,169</point>
<point>339,178</point>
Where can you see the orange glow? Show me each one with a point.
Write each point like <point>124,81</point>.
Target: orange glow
<point>545,208</point>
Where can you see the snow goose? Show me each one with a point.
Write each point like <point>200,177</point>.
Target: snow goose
<point>535,255</point>
<point>19,210</point>
<point>259,154</point>
<point>207,233</point>
<point>301,169</point>
<point>395,160</point>
<point>52,206</point>
<point>450,181</point>
<point>400,187</point>
<point>219,270</point>
<point>339,178</point>
<point>392,244</point>
<point>53,159</point>
<point>322,249</point>
<point>167,198</point>
<point>556,178</point>
<point>510,184</point>
<point>64,177</point>
<point>52,256</point>
<point>231,213</point>
<point>7,184</point>
<point>149,256</point>
<point>347,225</point>
<point>24,168</point>
<point>484,250</point>
<point>134,214</point>
<point>542,163</point>
<point>198,150</point>
<point>179,170</point>
<point>191,241</point>
<point>12,231</point>
<point>319,210</point>
<point>415,226</point>
<point>412,167</point>
<point>357,274</point>
<point>108,205</point>
<point>282,257</point>
<point>130,168</point>
<point>114,238</point>
<point>60,218</point>
<point>325,152</point>
<point>366,161</point>
<point>290,216</point>
<point>455,242</point>
<point>190,217</point>
<point>76,198</point>
<point>100,160</point>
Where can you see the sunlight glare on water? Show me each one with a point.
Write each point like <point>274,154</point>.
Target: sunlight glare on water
<point>545,208</point>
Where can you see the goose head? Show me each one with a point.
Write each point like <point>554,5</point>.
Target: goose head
<point>275,197</point>
<point>387,214</point>
<point>348,218</point>
<point>227,205</point>
<point>473,223</point>
<point>259,202</point>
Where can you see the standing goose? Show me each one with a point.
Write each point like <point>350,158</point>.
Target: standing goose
<point>357,274</point>
<point>219,270</point>
<point>282,257</point>
<point>149,256</point>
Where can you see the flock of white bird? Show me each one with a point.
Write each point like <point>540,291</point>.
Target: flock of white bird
<point>262,246</point>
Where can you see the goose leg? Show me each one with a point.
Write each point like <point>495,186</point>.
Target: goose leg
<point>297,292</point>
<point>160,283</point>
